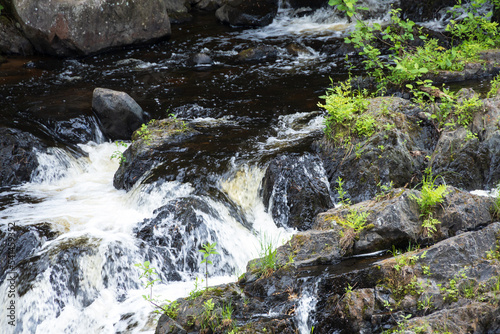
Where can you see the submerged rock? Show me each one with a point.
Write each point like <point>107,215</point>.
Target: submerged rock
<point>118,113</point>
<point>247,13</point>
<point>259,53</point>
<point>82,28</point>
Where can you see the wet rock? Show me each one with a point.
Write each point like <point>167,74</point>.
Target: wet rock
<point>313,4</point>
<point>118,113</point>
<point>167,232</point>
<point>247,13</point>
<point>12,41</point>
<point>396,153</point>
<point>208,5</point>
<point>18,150</point>
<point>164,141</point>
<point>471,162</point>
<point>382,293</point>
<point>296,49</point>
<point>426,10</point>
<point>201,59</point>
<point>76,28</point>
<point>397,221</point>
<point>178,10</point>
<point>167,325</point>
<point>295,190</point>
<point>472,71</point>
<point>20,242</point>
<point>257,54</point>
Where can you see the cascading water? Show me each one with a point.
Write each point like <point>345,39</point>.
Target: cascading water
<point>84,279</point>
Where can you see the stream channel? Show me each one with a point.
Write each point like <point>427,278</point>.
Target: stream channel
<point>77,273</point>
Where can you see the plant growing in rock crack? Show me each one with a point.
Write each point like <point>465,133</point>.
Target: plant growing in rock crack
<point>268,256</point>
<point>430,195</point>
<point>352,225</point>
<point>342,193</point>
<point>148,272</point>
<point>208,250</point>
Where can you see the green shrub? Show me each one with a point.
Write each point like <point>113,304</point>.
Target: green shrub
<point>344,109</point>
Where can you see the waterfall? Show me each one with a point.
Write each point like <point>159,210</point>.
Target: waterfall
<point>306,306</point>
<point>84,280</point>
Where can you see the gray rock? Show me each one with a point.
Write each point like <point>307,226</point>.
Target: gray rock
<point>119,114</point>
<point>167,325</point>
<point>295,190</point>
<point>19,161</point>
<point>394,155</point>
<point>12,41</point>
<point>259,53</point>
<point>247,13</point>
<point>201,59</point>
<point>142,155</point>
<point>76,27</point>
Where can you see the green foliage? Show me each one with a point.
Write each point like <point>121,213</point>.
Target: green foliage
<point>347,6</point>
<point>430,196</point>
<point>144,133</point>
<point>216,318</point>
<point>178,121</point>
<point>268,255</point>
<point>117,154</point>
<point>197,291</point>
<point>1,7</point>
<point>147,276</point>
<point>496,204</point>
<point>208,250</point>
<point>474,27</point>
<point>451,291</point>
<point>407,63</point>
<point>495,86</point>
<point>384,191</point>
<point>346,117</point>
<point>342,193</point>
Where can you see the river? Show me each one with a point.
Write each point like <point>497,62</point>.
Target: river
<point>81,275</point>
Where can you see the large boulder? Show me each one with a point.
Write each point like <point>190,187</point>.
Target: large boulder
<point>295,189</point>
<point>118,113</point>
<point>74,27</point>
<point>393,221</point>
<point>471,162</point>
<point>18,150</point>
<point>247,13</point>
<point>394,155</point>
<point>12,40</point>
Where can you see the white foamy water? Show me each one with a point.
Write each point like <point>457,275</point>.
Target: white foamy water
<point>85,281</point>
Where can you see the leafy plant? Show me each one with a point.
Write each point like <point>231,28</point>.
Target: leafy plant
<point>148,273</point>
<point>118,154</point>
<point>208,250</point>
<point>345,109</point>
<point>353,224</point>
<point>144,133</point>
<point>342,193</point>
<point>495,86</point>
